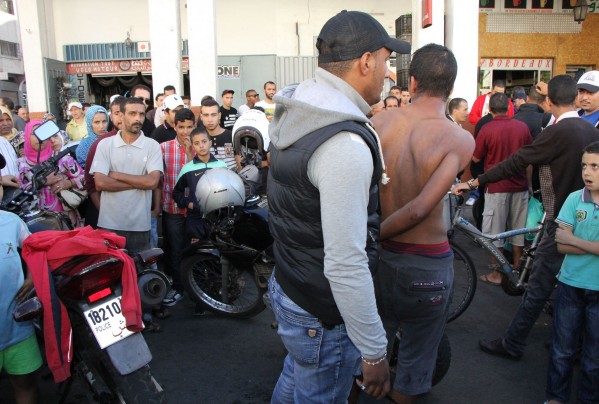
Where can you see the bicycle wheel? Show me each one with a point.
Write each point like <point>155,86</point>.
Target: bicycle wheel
<point>464,282</point>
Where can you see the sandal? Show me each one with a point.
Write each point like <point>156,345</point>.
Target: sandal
<point>151,326</point>
<point>161,312</point>
<point>485,278</point>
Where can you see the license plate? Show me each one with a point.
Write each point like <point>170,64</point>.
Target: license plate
<point>107,322</point>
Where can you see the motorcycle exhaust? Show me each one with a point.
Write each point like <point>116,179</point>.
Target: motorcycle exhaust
<point>153,286</point>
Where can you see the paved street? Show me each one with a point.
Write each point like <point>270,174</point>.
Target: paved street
<point>211,359</point>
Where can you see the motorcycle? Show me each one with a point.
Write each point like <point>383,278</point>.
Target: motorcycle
<point>109,358</point>
<point>228,271</point>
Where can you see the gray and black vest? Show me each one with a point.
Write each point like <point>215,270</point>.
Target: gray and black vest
<point>295,224</point>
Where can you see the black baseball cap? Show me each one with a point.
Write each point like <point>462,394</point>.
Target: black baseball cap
<point>2,162</point>
<point>350,34</point>
<point>227,92</point>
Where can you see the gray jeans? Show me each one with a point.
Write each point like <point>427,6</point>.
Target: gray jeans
<point>413,292</point>
<point>136,241</point>
<point>541,283</point>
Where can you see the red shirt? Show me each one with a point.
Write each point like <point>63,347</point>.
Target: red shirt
<point>476,112</point>
<point>498,140</point>
<point>174,158</point>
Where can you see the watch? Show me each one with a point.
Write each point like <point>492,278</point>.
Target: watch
<point>471,184</point>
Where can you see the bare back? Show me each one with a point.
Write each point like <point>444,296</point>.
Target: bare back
<point>423,151</point>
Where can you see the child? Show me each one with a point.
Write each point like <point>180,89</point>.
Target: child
<point>184,192</point>
<point>576,307</point>
<point>175,154</point>
<point>19,353</point>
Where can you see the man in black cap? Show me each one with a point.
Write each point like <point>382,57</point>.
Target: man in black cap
<point>326,164</point>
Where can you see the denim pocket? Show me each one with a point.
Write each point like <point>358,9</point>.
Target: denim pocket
<point>300,332</point>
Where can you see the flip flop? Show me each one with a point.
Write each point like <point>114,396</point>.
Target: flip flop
<point>485,278</point>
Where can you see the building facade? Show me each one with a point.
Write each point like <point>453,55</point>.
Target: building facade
<point>11,60</point>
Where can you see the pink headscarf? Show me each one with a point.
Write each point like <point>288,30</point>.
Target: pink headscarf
<point>31,154</point>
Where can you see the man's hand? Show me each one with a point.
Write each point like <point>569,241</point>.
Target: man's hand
<point>375,380</point>
<point>10,181</point>
<point>459,189</point>
<point>25,289</point>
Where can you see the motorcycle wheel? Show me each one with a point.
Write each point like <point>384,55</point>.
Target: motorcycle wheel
<point>202,278</point>
<point>138,387</point>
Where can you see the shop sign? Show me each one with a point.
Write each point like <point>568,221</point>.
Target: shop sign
<point>516,64</point>
<point>228,71</point>
<point>117,67</point>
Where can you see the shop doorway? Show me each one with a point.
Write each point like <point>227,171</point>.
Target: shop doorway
<point>514,72</point>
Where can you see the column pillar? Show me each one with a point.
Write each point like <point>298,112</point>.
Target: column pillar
<point>35,41</point>
<point>166,45</point>
<point>201,16</point>
<point>432,34</point>
<point>461,37</point>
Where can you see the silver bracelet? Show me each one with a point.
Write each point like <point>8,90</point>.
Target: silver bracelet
<point>376,362</point>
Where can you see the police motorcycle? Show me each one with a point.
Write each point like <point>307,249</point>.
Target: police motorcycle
<point>228,271</point>
<point>109,359</point>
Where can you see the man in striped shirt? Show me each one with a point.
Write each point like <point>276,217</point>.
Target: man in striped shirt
<point>175,154</point>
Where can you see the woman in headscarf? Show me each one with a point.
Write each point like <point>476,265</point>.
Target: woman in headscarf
<point>96,118</point>
<point>70,174</point>
<point>49,116</point>
<point>9,132</point>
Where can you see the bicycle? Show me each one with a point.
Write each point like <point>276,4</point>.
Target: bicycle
<point>513,281</point>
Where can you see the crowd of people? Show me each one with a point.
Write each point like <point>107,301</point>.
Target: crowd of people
<point>355,187</point>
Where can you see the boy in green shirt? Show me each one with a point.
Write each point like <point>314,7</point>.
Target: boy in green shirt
<point>576,307</point>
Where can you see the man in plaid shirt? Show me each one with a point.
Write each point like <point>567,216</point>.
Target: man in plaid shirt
<point>175,154</point>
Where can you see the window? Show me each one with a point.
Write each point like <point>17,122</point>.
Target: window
<point>7,6</point>
<point>8,49</point>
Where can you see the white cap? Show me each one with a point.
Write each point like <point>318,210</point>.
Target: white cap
<point>74,104</point>
<point>589,81</point>
<point>113,97</point>
<point>172,101</point>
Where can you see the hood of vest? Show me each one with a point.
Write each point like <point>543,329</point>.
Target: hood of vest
<point>322,101</point>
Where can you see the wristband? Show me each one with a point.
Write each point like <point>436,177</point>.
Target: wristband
<point>471,184</point>
<point>375,362</point>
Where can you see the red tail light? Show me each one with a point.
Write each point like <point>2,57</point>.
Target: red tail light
<point>99,295</point>
<point>91,279</point>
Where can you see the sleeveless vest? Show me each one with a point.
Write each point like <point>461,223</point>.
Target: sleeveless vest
<point>295,224</point>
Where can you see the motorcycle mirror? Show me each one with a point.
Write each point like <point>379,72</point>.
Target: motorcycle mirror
<point>28,310</point>
<point>45,131</point>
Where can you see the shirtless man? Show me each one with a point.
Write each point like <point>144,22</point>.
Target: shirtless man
<point>424,152</point>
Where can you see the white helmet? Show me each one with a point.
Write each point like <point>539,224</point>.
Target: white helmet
<point>253,120</point>
<point>219,188</point>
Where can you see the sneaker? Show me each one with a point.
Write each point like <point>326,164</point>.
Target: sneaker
<point>172,297</point>
<point>495,347</point>
<point>470,201</point>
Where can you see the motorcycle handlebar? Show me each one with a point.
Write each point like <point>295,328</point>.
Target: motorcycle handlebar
<point>41,171</point>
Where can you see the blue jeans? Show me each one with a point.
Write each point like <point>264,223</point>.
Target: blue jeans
<point>175,243</point>
<point>541,283</point>
<point>575,311</point>
<point>321,362</point>
<point>154,232</point>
